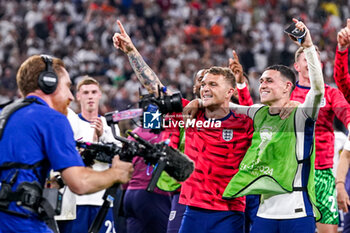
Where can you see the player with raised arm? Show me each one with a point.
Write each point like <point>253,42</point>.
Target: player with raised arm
<point>282,174</point>
<point>215,160</point>
<point>288,167</point>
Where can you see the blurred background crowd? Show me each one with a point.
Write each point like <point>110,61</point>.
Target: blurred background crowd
<point>176,38</point>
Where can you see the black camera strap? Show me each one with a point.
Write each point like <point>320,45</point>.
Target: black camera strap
<point>6,193</point>
<point>29,200</point>
<point>5,104</point>
<point>10,108</point>
<point>10,165</point>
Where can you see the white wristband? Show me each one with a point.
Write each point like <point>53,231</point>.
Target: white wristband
<point>241,85</point>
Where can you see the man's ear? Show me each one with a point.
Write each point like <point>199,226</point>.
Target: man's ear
<point>77,96</point>
<point>296,67</point>
<point>289,86</point>
<point>231,92</point>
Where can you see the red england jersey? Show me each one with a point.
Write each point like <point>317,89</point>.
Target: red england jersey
<point>173,133</point>
<point>217,153</point>
<point>341,72</point>
<point>333,104</point>
<point>244,97</point>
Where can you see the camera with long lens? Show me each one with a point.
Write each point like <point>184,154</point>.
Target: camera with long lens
<point>176,164</point>
<point>165,158</point>
<point>149,104</point>
<point>104,152</point>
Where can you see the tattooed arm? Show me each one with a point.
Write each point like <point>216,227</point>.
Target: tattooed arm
<point>143,72</point>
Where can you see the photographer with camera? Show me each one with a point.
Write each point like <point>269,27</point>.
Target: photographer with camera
<point>35,137</point>
<point>89,126</point>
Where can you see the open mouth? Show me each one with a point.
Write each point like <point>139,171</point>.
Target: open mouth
<point>264,93</point>
<point>206,96</point>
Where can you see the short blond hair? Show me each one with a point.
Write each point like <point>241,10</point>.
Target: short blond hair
<point>87,80</point>
<point>301,50</point>
<point>224,71</point>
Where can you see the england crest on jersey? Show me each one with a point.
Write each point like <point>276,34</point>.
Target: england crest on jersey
<point>227,134</point>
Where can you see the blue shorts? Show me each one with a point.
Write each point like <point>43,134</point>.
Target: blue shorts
<point>85,216</point>
<point>251,208</point>
<point>176,214</point>
<point>146,212</point>
<point>346,228</point>
<point>197,220</point>
<point>296,225</point>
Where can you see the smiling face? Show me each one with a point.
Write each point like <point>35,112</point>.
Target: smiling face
<point>215,90</point>
<point>89,97</point>
<point>62,96</point>
<point>273,87</point>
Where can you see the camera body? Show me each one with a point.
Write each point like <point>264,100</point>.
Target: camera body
<point>164,103</point>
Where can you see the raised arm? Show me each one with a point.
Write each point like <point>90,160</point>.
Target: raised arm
<point>314,97</point>
<point>244,97</point>
<point>341,69</point>
<point>143,72</point>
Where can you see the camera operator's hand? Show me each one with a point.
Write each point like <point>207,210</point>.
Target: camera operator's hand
<point>122,40</point>
<point>343,37</point>
<point>307,40</point>
<point>123,170</point>
<point>236,67</point>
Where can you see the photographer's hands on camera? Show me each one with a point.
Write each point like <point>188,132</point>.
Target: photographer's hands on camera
<point>122,169</point>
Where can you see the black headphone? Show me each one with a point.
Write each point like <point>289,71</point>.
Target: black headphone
<point>48,79</point>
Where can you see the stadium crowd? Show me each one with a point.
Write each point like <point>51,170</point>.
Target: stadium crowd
<point>176,38</point>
